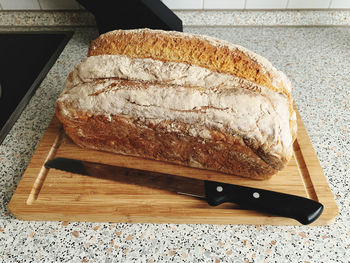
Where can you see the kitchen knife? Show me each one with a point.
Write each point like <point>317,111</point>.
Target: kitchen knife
<point>299,208</point>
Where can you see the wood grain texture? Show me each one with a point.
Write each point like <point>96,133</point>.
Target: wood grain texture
<point>48,194</point>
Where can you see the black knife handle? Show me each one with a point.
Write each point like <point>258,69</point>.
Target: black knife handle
<point>302,209</point>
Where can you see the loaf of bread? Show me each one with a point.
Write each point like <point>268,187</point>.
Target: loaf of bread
<point>181,98</point>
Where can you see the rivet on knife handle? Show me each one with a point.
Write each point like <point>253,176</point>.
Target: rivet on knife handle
<point>299,208</point>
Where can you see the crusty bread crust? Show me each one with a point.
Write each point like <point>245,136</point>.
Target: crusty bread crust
<point>222,151</point>
<point>207,52</point>
<point>204,51</point>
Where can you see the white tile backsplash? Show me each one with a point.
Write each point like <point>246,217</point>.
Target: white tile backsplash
<point>59,5</point>
<point>266,4</point>
<point>184,4</point>
<point>20,4</point>
<point>308,4</point>
<point>224,4</point>
<point>340,4</point>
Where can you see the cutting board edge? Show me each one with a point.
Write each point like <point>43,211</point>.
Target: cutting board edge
<point>326,218</point>
<point>318,179</point>
<point>234,219</point>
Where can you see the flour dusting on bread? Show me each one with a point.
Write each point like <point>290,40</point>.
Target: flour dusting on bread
<point>184,112</point>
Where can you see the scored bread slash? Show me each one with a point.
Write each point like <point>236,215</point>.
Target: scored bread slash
<point>181,98</point>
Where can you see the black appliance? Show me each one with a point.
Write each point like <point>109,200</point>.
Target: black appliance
<point>132,14</point>
<point>25,59</point>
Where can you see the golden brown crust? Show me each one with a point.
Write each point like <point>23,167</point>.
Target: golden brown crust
<point>177,47</point>
<point>224,152</point>
<point>192,49</point>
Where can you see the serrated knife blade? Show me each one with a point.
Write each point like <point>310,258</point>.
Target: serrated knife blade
<point>299,208</point>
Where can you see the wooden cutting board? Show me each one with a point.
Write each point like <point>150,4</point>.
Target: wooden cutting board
<point>48,194</point>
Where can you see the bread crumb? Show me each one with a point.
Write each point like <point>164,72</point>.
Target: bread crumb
<point>229,252</point>
<point>126,251</point>
<point>2,230</point>
<point>151,260</point>
<point>31,235</point>
<point>273,242</point>
<point>171,253</point>
<point>109,250</point>
<point>118,233</point>
<point>96,228</point>
<point>184,255</point>
<point>130,238</point>
<point>217,260</point>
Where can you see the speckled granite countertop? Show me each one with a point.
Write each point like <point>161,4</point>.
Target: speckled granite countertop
<point>317,61</point>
